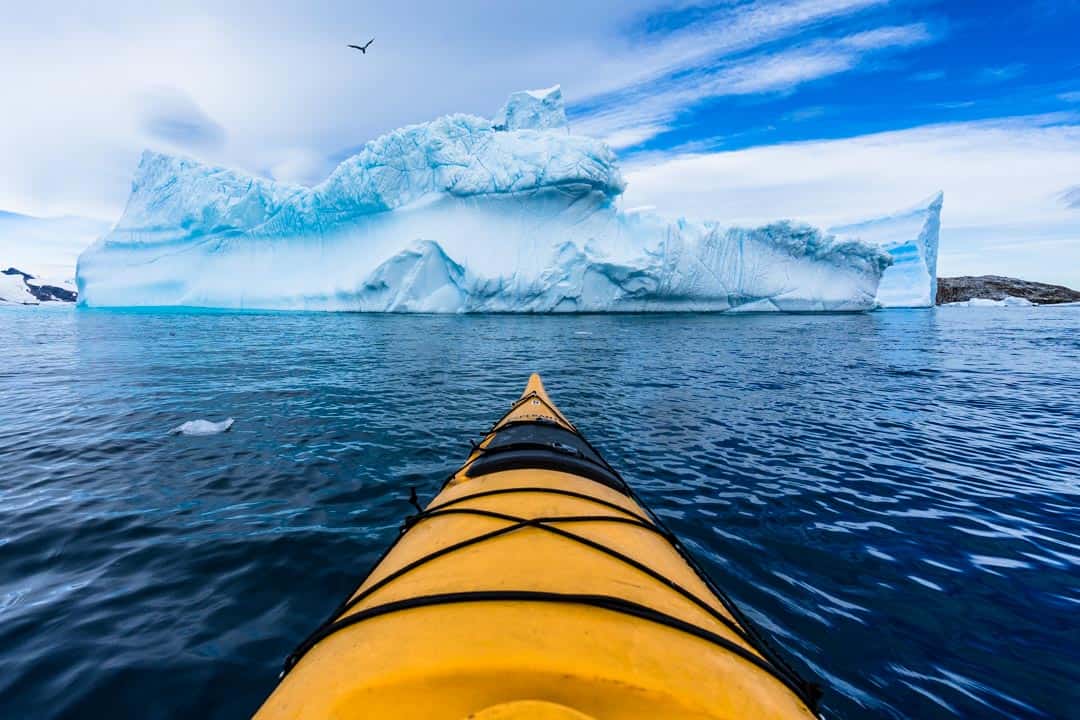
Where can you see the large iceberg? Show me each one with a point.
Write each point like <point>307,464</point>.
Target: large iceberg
<point>461,214</point>
<point>911,239</point>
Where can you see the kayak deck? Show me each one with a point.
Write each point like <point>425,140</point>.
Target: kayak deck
<point>535,585</point>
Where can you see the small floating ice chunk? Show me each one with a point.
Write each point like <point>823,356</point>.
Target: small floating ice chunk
<point>204,427</point>
<point>1007,301</point>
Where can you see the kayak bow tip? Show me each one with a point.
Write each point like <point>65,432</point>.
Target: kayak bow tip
<point>535,385</point>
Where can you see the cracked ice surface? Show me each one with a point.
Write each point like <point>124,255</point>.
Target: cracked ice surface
<point>461,214</point>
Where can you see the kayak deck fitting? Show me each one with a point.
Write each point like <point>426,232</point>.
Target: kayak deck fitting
<point>537,585</point>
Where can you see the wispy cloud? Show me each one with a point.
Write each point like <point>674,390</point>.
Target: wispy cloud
<point>887,37</point>
<point>1070,97</point>
<point>956,104</point>
<point>731,28</point>
<point>929,76</point>
<point>1000,74</point>
<point>639,112</point>
<point>804,114</point>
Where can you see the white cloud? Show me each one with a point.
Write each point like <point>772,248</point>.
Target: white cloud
<point>171,116</point>
<point>735,28</point>
<point>1000,74</point>
<point>641,112</point>
<point>630,136</point>
<point>807,113</point>
<point>956,104</point>
<point>296,165</point>
<point>893,36</point>
<point>784,71</point>
<point>929,76</point>
<point>1003,183</point>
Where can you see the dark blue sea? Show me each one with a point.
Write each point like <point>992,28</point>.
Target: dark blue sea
<point>895,496</point>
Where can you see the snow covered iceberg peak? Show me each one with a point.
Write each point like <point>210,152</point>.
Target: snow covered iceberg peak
<point>533,110</point>
<point>460,214</point>
<point>464,156</point>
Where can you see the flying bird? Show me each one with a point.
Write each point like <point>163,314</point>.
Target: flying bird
<point>363,48</point>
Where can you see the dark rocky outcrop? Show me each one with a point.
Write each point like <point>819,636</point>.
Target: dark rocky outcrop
<point>44,293</point>
<point>997,287</point>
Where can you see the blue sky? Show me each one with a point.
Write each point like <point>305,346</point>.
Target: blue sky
<point>829,111</point>
<point>868,67</point>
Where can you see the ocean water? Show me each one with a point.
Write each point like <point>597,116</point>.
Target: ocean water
<point>893,495</point>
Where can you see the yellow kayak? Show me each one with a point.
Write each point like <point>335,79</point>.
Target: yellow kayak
<point>536,585</point>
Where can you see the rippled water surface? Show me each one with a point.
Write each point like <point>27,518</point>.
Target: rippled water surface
<point>894,495</point>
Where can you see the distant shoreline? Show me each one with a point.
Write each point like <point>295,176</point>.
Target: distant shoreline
<point>1000,287</point>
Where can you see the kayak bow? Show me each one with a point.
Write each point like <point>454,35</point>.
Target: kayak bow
<point>537,585</point>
